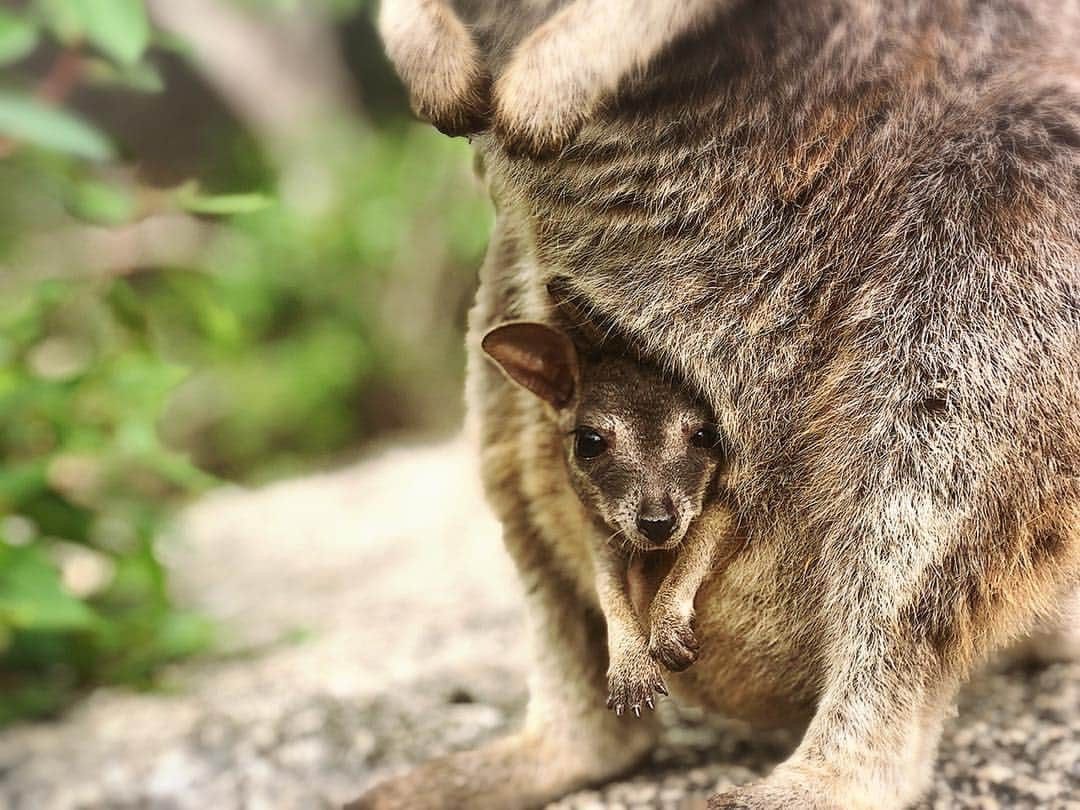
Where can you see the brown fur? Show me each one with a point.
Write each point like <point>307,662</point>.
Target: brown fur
<point>854,227</point>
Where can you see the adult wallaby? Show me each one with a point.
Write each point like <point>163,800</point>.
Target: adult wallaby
<point>854,227</point>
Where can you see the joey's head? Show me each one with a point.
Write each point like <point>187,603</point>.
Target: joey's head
<point>642,453</point>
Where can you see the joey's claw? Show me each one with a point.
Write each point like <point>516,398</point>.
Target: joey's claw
<point>661,687</point>
<point>632,680</point>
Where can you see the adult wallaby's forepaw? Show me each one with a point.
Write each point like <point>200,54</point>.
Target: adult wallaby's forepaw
<point>439,63</point>
<point>672,643</point>
<point>632,683</point>
<point>467,111</point>
<point>544,96</point>
<point>536,121</point>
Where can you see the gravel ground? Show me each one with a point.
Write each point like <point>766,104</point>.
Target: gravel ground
<point>366,633</point>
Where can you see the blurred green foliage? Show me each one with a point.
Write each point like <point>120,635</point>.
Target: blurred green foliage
<point>273,316</point>
<point>83,490</point>
<point>318,324</point>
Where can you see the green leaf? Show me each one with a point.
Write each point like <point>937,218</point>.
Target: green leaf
<point>24,118</point>
<point>119,28</point>
<point>101,203</point>
<point>57,516</point>
<point>141,76</point>
<point>31,596</point>
<point>18,37</point>
<point>189,198</point>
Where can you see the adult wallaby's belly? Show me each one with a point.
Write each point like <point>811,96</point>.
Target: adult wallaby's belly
<point>758,658</point>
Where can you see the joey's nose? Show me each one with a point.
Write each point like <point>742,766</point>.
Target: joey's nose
<point>658,530</point>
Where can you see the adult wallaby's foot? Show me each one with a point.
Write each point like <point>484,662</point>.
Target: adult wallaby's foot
<point>569,742</point>
<point>771,795</point>
<point>439,64</point>
<point>672,641</point>
<point>863,778</point>
<point>633,679</point>
<point>515,773</point>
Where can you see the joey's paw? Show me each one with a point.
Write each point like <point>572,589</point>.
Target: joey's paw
<point>767,796</point>
<point>672,643</point>
<point>541,101</point>
<point>632,684</point>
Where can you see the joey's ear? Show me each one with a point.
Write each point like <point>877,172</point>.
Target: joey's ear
<point>536,357</point>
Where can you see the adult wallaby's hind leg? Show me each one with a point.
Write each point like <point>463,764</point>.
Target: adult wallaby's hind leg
<point>915,608</point>
<point>569,739</point>
<point>437,60</point>
<point>561,72</point>
<point>872,742</point>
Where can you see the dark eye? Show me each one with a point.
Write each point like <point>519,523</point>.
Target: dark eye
<point>588,443</point>
<point>705,437</point>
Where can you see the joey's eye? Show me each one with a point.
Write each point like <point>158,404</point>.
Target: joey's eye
<point>705,437</point>
<point>588,443</point>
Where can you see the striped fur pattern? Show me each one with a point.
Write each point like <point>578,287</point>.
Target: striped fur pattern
<point>853,226</point>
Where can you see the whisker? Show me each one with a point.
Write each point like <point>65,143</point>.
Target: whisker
<point>628,548</point>
<point>612,536</point>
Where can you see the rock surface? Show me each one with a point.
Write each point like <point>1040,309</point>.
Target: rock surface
<point>373,621</point>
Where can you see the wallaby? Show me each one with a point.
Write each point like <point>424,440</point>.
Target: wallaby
<point>854,227</point>
<point>643,458</point>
